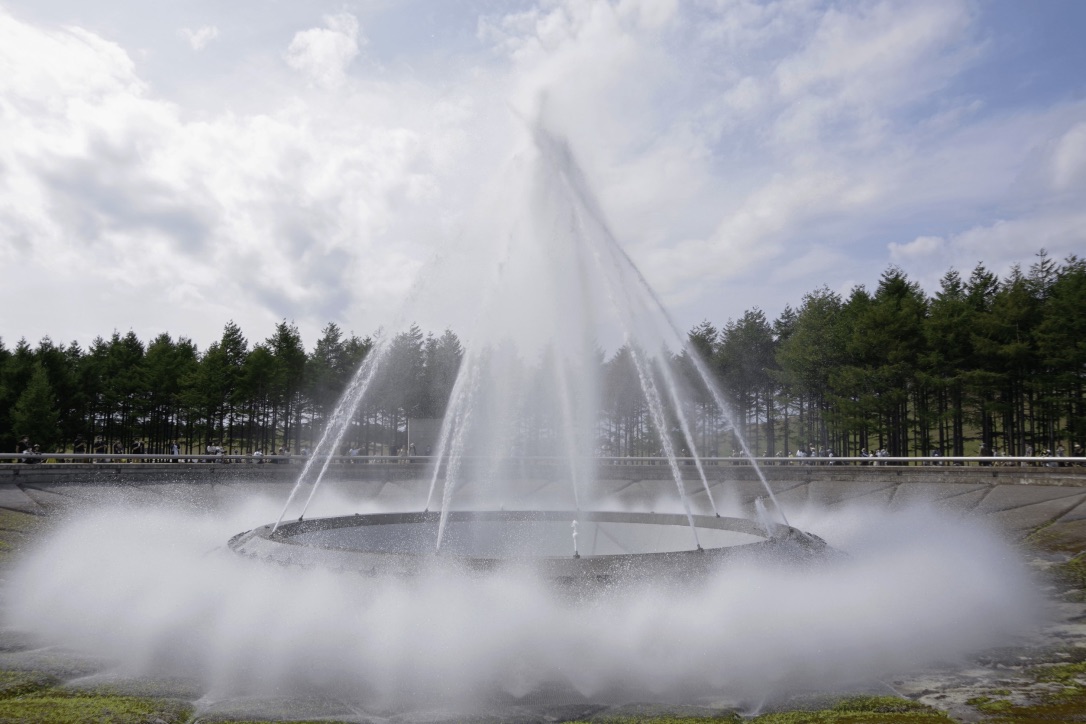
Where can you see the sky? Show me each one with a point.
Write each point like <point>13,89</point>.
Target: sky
<point>170,167</point>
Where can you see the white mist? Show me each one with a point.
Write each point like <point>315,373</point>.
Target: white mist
<point>155,591</point>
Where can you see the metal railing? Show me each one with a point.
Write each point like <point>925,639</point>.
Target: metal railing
<point>236,459</point>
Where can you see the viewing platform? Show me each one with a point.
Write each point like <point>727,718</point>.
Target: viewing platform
<point>134,469</point>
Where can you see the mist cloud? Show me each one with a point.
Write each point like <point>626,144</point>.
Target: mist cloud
<point>140,587</point>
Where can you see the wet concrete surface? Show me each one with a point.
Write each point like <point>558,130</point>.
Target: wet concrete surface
<point>1047,522</point>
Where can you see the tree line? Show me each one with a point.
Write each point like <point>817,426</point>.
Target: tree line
<point>983,364</point>
<point>266,396</point>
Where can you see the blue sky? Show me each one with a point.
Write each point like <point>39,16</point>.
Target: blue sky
<point>172,166</point>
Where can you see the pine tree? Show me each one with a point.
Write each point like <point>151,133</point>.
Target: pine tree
<point>35,413</point>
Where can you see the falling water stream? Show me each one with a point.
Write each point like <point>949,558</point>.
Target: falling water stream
<point>557,258</point>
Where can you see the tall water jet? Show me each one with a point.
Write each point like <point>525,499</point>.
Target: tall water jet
<point>556,287</point>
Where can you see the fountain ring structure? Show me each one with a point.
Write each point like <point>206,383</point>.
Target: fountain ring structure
<point>616,546</point>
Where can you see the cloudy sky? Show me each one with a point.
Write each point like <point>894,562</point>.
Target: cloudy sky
<point>167,167</point>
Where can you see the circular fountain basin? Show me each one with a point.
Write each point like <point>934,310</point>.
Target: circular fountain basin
<point>607,545</point>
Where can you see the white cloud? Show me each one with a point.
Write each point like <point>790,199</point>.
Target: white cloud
<point>115,198</point>
<point>998,245</point>
<point>919,248</point>
<point>795,143</point>
<point>198,39</point>
<point>1005,241</point>
<point>730,140</point>
<point>1069,159</point>
<point>325,53</point>
<point>55,64</point>
<point>720,138</point>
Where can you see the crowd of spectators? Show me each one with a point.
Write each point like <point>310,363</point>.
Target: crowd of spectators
<point>103,451</point>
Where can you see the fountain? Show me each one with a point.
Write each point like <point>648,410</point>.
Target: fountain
<point>559,277</point>
<point>513,580</point>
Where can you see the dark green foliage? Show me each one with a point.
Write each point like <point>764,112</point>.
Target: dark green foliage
<point>808,355</point>
<point>985,363</point>
<point>35,412</point>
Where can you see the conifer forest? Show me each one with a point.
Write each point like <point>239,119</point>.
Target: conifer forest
<point>983,363</point>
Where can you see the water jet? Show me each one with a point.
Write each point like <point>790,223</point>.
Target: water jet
<point>559,265</point>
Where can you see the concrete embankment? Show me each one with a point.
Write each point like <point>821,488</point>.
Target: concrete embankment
<point>1021,499</point>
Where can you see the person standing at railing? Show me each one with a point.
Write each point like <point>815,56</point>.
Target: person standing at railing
<point>983,452</point>
<point>35,455</point>
<point>22,447</point>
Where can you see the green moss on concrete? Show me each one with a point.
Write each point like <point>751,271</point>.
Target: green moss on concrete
<point>58,706</point>
<point>1064,536</point>
<point>989,705</point>
<point>850,710</point>
<point>1062,698</point>
<point>15,527</point>
<point>21,683</point>
<point>722,719</point>
<point>888,709</point>
<point>18,522</point>
<point>141,688</point>
<point>1062,673</point>
<point>1073,572</point>
<point>853,717</point>
<point>1052,710</point>
<point>203,720</point>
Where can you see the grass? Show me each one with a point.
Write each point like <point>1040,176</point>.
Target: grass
<point>53,707</point>
<point>1073,572</point>
<point>882,709</point>
<point>1066,674</point>
<point>849,710</point>
<point>34,698</point>
<point>722,719</point>
<point>18,522</point>
<point>19,683</point>
<point>1063,700</point>
<point>988,705</point>
<point>14,529</point>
